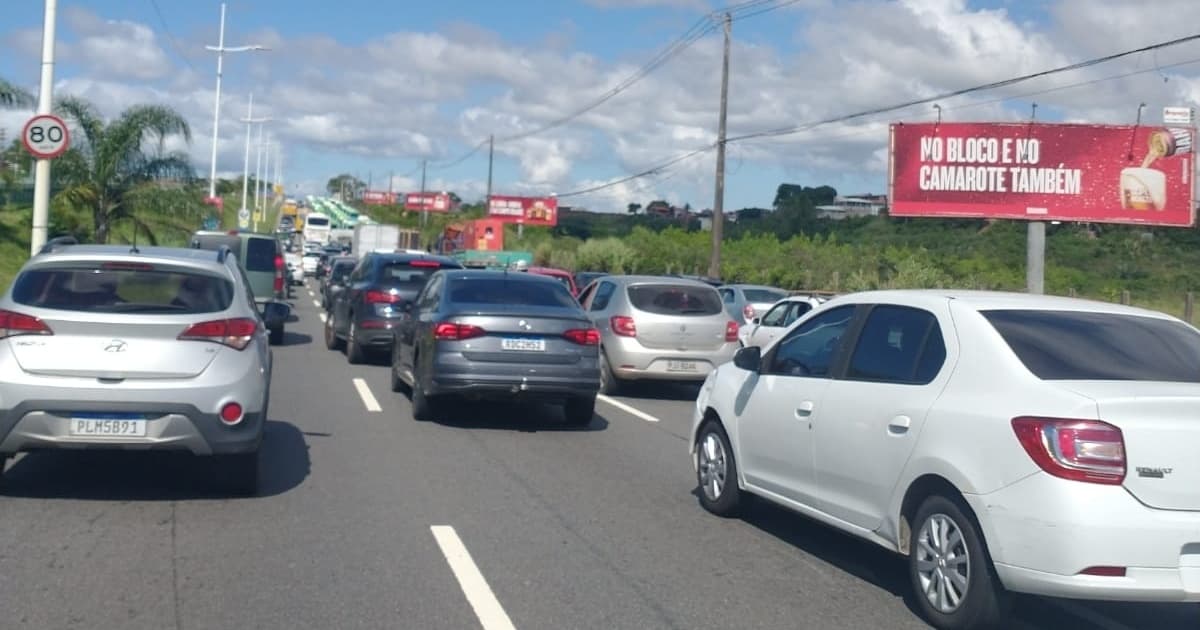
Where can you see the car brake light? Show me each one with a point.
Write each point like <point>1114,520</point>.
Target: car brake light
<point>731,331</point>
<point>13,324</point>
<point>381,297</point>
<point>1079,450</point>
<point>424,263</point>
<point>126,266</point>
<point>583,336</point>
<point>1104,571</point>
<point>623,326</point>
<point>235,333</point>
<point>748,312</point>
<point>449,331</point>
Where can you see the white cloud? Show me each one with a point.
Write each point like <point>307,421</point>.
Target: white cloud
<point>113,48</point>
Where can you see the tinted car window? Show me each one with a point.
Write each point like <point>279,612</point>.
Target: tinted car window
<point>892,344</point>
<point>675,299</point>
<point>406,273</point>
<point>507,291</point>
<point>111,290</point>
<point>260,254</point>
<point>809,349</point>
<point>341,269</point>
<point>798,310</point>
<point>604,294</point>
<point>1070,345</point>
<point>776,315</point>
<point>761,296</point>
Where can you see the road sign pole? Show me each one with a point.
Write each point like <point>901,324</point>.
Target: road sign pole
<point>41,177</point>
<point>1035,257</point>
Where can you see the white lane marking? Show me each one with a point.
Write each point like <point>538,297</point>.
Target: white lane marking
<point>322,316</point>
<point>629,409</point>
<point>1096,619</point>
<point>317,303</point>
<point>368,398</point>
<point>483,601</point>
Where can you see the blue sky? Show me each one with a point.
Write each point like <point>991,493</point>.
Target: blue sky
<point>373,87</point>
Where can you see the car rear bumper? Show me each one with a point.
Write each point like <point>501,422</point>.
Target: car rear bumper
<point>44,424</point>
<point>375,334</point>
<point>507,380</point>
<point>1042,532</point>
<point>630,360</point>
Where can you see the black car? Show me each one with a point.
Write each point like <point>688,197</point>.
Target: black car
<point>372,300</point>
<point>333,283</point>
<point>497,335</point>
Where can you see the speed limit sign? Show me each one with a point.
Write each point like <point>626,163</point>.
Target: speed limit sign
<point>46,136</point>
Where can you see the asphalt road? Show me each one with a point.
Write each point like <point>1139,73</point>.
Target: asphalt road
<point>498,518</point>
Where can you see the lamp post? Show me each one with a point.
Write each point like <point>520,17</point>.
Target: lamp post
<point>249,120</point>
<point>221,49</point>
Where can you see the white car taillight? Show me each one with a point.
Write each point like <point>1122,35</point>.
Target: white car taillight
<point>13,324</point>
<point>235,333</point>
<point>1079,450</point>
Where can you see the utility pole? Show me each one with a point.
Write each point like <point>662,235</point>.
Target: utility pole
<point>220,49</point>
<point>266,151</point>
<point>41,171</point>
<point>424,211</point>
<point>258,146</point>
<point>718,216</point>
<point>491,156</point>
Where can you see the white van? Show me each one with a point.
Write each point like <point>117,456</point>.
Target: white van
<point>317,228</point>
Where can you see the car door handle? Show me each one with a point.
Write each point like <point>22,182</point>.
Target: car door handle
<point>899,425</point>
<point>804,410</point>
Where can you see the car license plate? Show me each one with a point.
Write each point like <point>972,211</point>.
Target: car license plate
<point>682,366</point>
<point>524,345</point>
<point>108,426</point>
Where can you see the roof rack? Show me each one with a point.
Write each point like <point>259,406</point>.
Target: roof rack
<point>58,243</point>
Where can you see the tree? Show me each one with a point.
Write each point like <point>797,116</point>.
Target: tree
<point>14,96</point>
<point>347,183</point>
<point>634,207</point>
<point>795,194</point>
<point>110,159</point>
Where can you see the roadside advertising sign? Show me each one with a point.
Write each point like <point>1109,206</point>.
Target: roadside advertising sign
<point>378,198</point>
<point>1043,172</point>
<point>427,202</point>
<point>526,210</point>
<point>1184,116</point>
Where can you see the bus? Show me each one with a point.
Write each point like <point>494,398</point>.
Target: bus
<point>316,228</point>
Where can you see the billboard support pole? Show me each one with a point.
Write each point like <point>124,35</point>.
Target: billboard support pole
<point>1035,257</point>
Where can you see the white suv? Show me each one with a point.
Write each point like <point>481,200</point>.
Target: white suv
<point>1003,442</point>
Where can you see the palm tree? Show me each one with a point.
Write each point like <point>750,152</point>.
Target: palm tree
<point>13,96</point>
<point>108,160</point>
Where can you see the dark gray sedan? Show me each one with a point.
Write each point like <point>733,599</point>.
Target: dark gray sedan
<point>497,335</point>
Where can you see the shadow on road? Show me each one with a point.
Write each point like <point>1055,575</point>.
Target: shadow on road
<point>505,416</point>
<point>153,475</point>
<point>295,339</point>
<point>888,571</point>
<point>660,390</point>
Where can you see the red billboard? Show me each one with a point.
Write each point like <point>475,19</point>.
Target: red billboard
<point>378,198</point>
<point>427,202</point>
<point>527,210</point>
<point>1050,172</point>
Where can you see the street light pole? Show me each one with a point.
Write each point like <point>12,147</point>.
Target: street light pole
<point>220,49</point>
<point>41,177</point>
<point>718,214</point>
<point>249,120</point>
<point>258,164</point>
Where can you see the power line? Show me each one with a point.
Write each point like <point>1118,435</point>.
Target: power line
<point>171,37</point>
<point>460,159</point>
<point>922,101</point>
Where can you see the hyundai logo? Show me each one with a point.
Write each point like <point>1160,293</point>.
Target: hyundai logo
<point>116,345</point>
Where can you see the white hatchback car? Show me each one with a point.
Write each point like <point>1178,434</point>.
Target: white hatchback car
<point>1003,442</point>
<point>761,331</point>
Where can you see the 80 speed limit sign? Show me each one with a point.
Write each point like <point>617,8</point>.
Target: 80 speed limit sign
<point>46,136</point>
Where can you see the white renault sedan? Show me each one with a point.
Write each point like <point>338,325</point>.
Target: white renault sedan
<point>1002,442</point>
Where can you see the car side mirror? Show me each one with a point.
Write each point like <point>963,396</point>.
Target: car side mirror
<point>274,312</point>
<point>748,358</point>
<point>756,321</point>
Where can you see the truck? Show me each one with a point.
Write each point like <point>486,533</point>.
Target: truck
<point>369,237</point>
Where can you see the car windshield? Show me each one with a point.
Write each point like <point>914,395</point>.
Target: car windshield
<point>675,299</point>
<point>763,296</point>
<point>502,290</point>
<point>1080,345</point>
<point>142,290</point>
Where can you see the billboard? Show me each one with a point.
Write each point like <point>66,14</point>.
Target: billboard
<point>427,202</point>
<point>527,210</point>
<point>378,198</point>
<point>1045,172</point>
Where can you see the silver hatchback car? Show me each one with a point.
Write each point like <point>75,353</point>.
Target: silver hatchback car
<point>658,328</point>
<point>108,347</point>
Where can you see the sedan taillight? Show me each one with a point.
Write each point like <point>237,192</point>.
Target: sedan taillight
<point>731,331</point>
<point>748,312</point>
<point>13,324</point>
<point>583,336</point>
<point>381,297</point>
<point>449,331</point>
<point>235,333</point>
<point>1079,450</point>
